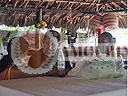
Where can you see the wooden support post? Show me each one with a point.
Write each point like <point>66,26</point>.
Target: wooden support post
<point>39,15</point>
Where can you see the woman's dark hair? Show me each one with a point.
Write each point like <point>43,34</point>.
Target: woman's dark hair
<point>105,35</point>
<point>9,46</point>
<point>56,34</point>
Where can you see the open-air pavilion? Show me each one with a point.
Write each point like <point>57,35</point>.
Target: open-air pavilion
<point>40,76</point>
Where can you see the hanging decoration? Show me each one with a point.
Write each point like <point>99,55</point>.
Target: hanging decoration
<point>33,51</point>
<point>96,21</point>
<point>28,58</point>
<point>41,24</point>
<point>106,21</point>
<point>110,21</point>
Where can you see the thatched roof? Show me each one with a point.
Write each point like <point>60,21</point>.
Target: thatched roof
<point>61,13</point>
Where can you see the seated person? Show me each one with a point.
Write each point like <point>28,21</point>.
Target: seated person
<point>101,66</point>
<point>10,70</point>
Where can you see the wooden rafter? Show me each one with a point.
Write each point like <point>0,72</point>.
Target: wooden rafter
<point>78,6</point>
<point>123,3</point>
<point>15,3</point>
<point>47,5</point>
<point>40,4</point>
<point>21,4</point>
<point>26,3</point>
<point>71,6</point>
<point>109,6</point>
<point>116,5</point>
<point>59,4</point>
<point>65,1</point>
<point>20,10</point>
<point>67,5</point>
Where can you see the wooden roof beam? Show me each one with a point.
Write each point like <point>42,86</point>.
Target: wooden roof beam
<point>109,6</point>
<point>47,5</point>
<point>18,9</point>
<point>84,11</point>
<point>26,3</point>
<point>49,0</point>
<point>58,10</point>
<point>116,5</point>
<point>58,5</point>
<point>67,1</point>
<point>78,6</point>
<point>67,5</point>
<point>37,4</point>
<point>77,2</point>
<point>123,3</point>
<point>71,6</point>
<point>61,1</point>
<point>15,3</point>
<point>41,2</point>
<point>22,3</point>
<point>84,3</point>
<point>73,1</point>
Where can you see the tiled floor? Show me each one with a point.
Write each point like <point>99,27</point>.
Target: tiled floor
<point>66,86</point>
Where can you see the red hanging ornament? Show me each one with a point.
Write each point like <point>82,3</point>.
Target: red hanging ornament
<point>99,30</point>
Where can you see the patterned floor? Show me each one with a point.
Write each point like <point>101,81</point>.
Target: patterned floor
<point>67,86</point>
